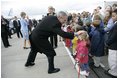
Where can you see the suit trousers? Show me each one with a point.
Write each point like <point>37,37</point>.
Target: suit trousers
<point>5,39</point>
<point>53,40</point>
<point>50,63</point>
<point>32,56</point>
<point>18,32</point>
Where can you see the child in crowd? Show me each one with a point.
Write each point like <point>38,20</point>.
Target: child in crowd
<point>97,41</point>
<point>74,41</point>
<point>68,41</point>
<point>82,53</point>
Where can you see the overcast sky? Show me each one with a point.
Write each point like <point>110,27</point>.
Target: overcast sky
<point>39,7</point>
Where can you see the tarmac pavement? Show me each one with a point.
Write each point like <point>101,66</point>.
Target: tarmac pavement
<point>14,58</point>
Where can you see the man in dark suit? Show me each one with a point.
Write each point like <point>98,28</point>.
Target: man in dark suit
<point>30,24</point>
<point>17,26</point>
<point>39,39</point>
<point>4,32</point>
<point>53,38</point>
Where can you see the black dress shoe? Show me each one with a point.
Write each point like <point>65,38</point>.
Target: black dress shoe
<point>25,47</point>
<point>106,72</point>
<point>54,71</point>
<point>29,64</point>
<point>9,45</point>
<point>10,37</point>
<point>55,47</point>
<point>6,46</point>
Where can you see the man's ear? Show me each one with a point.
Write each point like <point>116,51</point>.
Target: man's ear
<point>58,17</point>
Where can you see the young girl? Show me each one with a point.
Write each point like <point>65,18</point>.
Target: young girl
<point>74,41</point>
<point>82,53</point>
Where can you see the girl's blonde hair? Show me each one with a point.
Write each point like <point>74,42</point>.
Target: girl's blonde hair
<point>83,36</point>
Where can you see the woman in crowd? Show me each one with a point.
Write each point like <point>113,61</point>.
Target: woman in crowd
<point>24,29</point>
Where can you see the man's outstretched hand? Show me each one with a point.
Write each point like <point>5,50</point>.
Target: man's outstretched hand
<point>79,32</point>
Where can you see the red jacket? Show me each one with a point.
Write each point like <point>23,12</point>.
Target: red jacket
<point>82,51</point>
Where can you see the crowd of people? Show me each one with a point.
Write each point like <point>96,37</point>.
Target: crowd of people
<point>86,34</point>
<point>13,25</point>
<point>100,40</point>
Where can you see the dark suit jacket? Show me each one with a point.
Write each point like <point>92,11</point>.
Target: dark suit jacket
<point>49,14</point>
<point>4,26</point>
<point>16,25</point>
<point>47,27</point>
<point>112,38</point>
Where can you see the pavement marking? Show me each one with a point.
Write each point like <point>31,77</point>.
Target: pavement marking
<point>69,53</point>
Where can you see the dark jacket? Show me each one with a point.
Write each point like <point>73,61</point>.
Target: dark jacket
<point>16,24</point>
<point>112,38</point>
<point>49,14</point>
<point>47,27</point>
<point>4,26</point>
<point>97,42</point>
<point>34,23</point>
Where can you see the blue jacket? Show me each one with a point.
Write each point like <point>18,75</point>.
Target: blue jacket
<point>97,42</point>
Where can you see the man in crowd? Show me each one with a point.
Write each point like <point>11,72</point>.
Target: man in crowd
<point>39,39</point>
